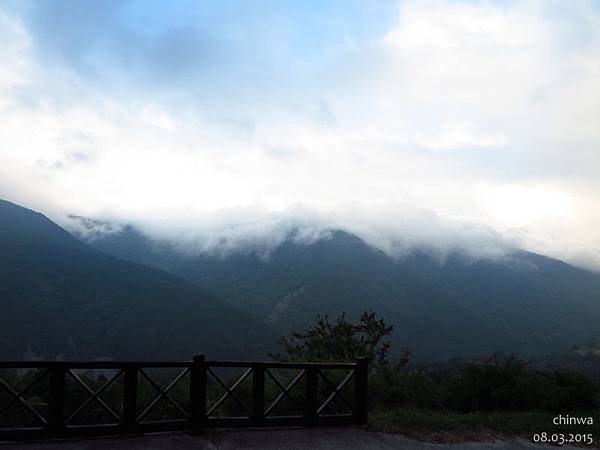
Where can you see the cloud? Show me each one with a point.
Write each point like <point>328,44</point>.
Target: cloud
<point>426,117</point>
<point>397,231</point>
<point>157,118</point>
<point>460,135</point>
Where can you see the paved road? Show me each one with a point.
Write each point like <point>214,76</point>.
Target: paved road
<point>349,438</point>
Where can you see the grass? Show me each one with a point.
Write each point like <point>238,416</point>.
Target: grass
<point>444,426</point>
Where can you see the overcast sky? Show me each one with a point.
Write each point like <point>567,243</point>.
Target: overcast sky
<point>414,118</point>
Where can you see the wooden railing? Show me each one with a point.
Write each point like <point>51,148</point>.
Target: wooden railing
<point>63,398</point>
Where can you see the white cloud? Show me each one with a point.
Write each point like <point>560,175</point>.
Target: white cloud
<point>460,135</point>
<point>158,118</point>
<point>383,125</point>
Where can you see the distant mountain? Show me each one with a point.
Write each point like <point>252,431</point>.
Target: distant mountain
<point>61,297</point>
<point>523,302</point>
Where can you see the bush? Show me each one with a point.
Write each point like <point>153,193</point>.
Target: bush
<point>498,383</point>
<point>415,388</point>
<point>341,341</point>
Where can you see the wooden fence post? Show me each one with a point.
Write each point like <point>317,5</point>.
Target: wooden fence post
<point>311,386</point>
<point>129,419</point>
<point>56,401</point>
<point>361,393</point>
<point>198,393</point>
<point>258,394</point>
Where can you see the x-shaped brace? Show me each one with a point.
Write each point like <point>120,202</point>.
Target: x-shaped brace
<point>94,395</point>
<point>163,393</point>
<point>336,390</point>
<point>18,397</point>
<point>229,392</point>
<point>285,391</point>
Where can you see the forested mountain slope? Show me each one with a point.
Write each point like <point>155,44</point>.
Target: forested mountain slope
<point>59,296</point>
<point>459,307</point>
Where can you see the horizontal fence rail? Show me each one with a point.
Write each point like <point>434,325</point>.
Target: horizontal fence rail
<point>74,399</point>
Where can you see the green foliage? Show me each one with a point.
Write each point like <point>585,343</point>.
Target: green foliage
<point>341,341</point>
<point>498,383</point>
<point>510,384</point>
<point>495,384</point>
<point>416,388</point>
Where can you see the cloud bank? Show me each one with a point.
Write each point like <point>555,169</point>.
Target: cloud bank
<point>442,123</point>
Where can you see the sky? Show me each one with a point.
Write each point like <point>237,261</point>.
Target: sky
<point>469,125</point>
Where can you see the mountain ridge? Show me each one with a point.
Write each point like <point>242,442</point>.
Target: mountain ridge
<point>63,298</point>
<point>523,302</point>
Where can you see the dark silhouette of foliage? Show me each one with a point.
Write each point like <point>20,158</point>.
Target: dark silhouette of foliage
<point>497,383</point>
<point>341,341</point>
<point>500,382</point>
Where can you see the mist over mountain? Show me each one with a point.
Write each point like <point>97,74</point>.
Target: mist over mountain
<point>455,303</point>
<point>398,231</point>
<point>62,298</point>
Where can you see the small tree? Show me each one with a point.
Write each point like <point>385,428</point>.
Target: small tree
<point>340,341</point>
